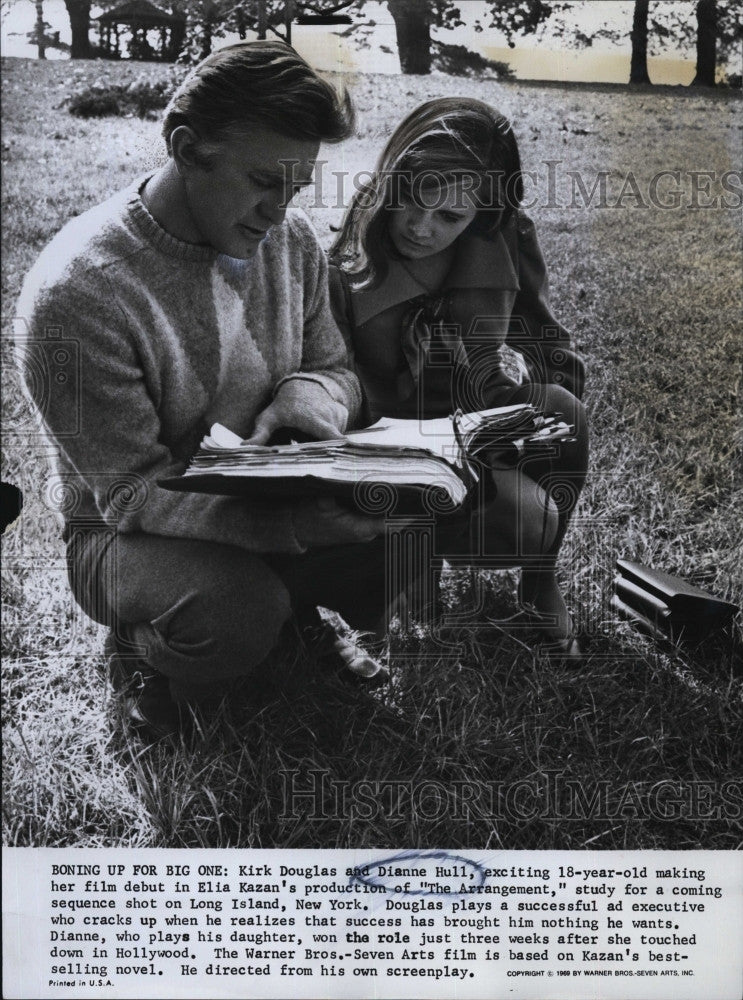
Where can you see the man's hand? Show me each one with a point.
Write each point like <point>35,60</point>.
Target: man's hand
<point>322,521</point>
<point>304,405</point>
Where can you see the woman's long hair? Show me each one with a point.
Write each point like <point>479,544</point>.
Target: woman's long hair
<point>444,138</point>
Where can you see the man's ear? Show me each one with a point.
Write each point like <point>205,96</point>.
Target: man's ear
<point>184,148</point>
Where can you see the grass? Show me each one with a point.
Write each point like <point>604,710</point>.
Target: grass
<point>653,298</point>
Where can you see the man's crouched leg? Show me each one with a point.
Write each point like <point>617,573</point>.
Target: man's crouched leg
<point>189,617</point>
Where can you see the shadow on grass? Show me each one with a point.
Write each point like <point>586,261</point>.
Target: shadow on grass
<point>497,748</point>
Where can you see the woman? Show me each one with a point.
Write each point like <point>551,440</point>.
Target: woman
<point>440,288</point>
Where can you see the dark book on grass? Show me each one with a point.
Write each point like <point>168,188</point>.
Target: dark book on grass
<point>403,460</point>
<point>667,606</point>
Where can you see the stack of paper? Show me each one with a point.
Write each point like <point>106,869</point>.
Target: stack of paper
<point>410,456</point>
<point>316,467</point>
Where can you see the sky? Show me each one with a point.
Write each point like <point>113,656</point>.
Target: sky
<point>546,60</point>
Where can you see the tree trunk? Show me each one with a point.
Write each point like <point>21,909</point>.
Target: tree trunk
<point>639,66</point>
<point>206,39</point>
<point>262,19</point>
<point>289,12</point>
<point>79,14</point>
<point>207,32</point>
<point>177,38</point>
<point>40,37</point>
<point>706,43</point>
<point>413,29</point>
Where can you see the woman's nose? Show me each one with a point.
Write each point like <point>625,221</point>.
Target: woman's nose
<point>420,223</point>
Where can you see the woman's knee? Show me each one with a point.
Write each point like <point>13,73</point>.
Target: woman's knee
<point>535,517</point>
<point>522,520</point>
<point>551,398</point>
<point>557,399</point>
<point>538,523</point>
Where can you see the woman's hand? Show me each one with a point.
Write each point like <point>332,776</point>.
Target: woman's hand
<point>304,405</point>
<point>322,522</point>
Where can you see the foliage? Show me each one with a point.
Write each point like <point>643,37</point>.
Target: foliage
<point>677,25</point>
<point>210,20</point>
<point>413,21</point>
<point>206,21</point>
<point>90,103</point>
<point>458,60</point>
<point>668,23</point>
<point>139,97</point>
<point>514,18</point>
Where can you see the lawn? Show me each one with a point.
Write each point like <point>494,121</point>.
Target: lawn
<point>653,296</point>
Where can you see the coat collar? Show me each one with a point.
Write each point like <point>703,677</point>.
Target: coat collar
<point>480,263</point>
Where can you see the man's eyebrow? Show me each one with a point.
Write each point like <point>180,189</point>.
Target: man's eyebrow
<point>268,174</point>
<point>280,177</point>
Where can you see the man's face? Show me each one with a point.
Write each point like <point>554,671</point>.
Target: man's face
<point>246,190</point>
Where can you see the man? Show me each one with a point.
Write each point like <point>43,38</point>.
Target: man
<point>195,296</point>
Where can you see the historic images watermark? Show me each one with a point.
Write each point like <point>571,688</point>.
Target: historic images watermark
<point>313,795</point>
<point>553,186</point>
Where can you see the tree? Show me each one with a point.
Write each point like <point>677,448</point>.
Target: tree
<point>209,20</point>
<point>78,12</point>
<point>177,33</point>
<point>521,17</point>
<point>638,72</point>
<point>413,31</point>
<point>706,43</point>
<point>262,19</point>
<point>717,32</point>
<point>41,35</point>
<point>40,29</point>
<point>413,20</point>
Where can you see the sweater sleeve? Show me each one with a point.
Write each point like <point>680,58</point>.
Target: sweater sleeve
<point>534,329</point>
<point>119,436</point>
<point>325,357</point>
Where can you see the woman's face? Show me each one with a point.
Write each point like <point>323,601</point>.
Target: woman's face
<point>429,218</point>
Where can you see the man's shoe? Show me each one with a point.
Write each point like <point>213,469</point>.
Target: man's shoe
<point>143,693</point>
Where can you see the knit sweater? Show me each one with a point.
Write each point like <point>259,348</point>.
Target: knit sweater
<point>163,338</point>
